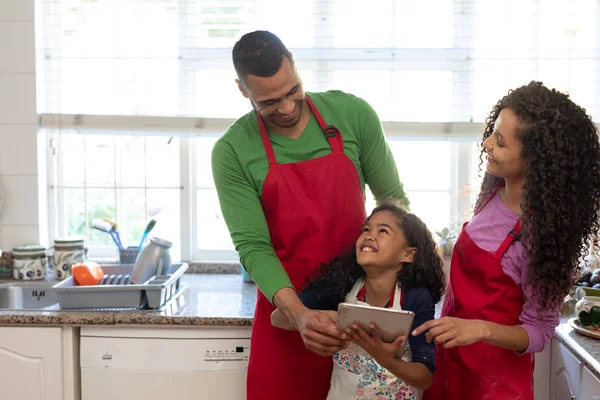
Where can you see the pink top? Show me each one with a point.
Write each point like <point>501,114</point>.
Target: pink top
<point>488,229</point>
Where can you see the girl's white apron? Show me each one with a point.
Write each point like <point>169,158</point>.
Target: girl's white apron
<point>356,375</point>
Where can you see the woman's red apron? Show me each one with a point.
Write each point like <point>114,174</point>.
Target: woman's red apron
<point>314,210</point>
<point>479,289</point>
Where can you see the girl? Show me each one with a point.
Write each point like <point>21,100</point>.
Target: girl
<point>513,263</point>
<point>395,264</point>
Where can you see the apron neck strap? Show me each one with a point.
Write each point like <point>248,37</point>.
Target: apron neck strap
<point>511,237</point>
<point>333,134</point>
<point>265,139</point>
<point>491,196</point>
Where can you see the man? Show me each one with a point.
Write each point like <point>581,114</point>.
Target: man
<point>290,177</point>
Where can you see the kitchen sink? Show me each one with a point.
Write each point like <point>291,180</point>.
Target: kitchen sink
<point>26,296</point>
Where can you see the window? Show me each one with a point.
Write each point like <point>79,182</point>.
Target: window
<point>133,94</point>
<point>127,179</point>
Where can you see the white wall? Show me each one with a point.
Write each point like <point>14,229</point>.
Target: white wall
<point>19,221</point>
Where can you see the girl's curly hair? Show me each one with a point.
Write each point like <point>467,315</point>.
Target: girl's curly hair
<point>336,278</point>
<point>561,197</point>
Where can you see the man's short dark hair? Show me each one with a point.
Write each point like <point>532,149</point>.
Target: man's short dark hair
<point>258,53</point>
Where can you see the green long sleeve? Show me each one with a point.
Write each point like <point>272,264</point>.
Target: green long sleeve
<point>240,165</point>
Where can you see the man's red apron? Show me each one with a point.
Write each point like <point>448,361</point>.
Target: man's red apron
<point>315,210</point>
<point>479,289</point>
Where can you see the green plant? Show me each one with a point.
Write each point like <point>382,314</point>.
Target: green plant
<point>446,241</point>
<point>591,318</point>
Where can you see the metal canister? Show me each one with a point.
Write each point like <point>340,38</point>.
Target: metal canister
<point>68,251</point>
<point>30,262</point>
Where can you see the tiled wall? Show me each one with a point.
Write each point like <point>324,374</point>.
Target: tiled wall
<point>19,222</point>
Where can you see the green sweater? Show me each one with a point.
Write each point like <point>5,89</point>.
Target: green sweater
<point>239,166</point>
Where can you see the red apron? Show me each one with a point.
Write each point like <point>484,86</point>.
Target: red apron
<point>314,210</point>
<point>479,289</point>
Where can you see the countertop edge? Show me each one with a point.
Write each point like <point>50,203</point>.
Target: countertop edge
<point>562,334</point>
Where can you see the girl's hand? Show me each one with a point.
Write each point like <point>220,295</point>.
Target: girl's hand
<point>382,352</point>
<point>451,332</point>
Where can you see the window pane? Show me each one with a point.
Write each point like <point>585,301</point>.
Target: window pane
<point>131,215</point>
<point>493,79</point>
<point>162,161</point>
<point>99,160</point>
<point>204,146</point>
<point>217,95</point>
<point>131,158</point>
<point>432,207</point>
<point>565,26</point>
<point>71,156</point>
<point>422,165</point>
<point>504,26</point>
<point>412,103</point>
<point>423,24</point>
<point>211,230</point>
<point>376,90</point>
<point>143,163</point>
<point>100,203</point>
<point>376,24</point>
<point>168,221</point>
<point>73,212</point>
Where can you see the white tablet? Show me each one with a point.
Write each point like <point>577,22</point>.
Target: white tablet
<point>390,323</point>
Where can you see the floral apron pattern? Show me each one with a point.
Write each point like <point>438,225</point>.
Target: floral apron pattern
<point>353,367</point>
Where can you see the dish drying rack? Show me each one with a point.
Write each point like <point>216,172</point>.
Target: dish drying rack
<point>115,290</point>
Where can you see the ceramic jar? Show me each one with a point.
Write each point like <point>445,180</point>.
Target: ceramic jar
<point>67,251</point>
<point>30,262</point>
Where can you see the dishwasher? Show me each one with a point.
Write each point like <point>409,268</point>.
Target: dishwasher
<point>139,363</point>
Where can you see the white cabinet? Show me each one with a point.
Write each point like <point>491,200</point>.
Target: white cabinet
<point>564,373</point>
<point>590,386</point>
<point>35,363</point>
<point>541,374</point>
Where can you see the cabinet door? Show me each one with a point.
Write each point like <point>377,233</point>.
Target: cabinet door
<point>541,374</point>
<point>31,363</point>
<point>565,371</point>
<point>590,385</point>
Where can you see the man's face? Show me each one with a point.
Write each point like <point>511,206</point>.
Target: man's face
<point>279,99</point>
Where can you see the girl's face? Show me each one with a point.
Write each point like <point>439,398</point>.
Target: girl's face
<point>382,243</point>
<point>504,149</point>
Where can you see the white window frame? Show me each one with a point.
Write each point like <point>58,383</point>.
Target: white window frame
<point>323,61</point>
<point>460,134</point>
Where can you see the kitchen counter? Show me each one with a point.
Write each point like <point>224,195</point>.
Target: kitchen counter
<point>225,300</point>
<point>207,299</point>
<point>585,348</point>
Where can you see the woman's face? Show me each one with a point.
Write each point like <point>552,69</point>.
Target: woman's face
<point>382,243</point>
<point>504,149</point>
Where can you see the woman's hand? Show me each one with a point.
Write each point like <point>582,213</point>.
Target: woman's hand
<point>451,332</point>
<point>383,353</point>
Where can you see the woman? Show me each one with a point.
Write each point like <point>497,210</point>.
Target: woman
<point>536,214</point>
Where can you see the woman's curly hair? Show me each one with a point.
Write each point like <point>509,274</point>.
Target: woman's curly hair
<point>336,278</point>
<point>561,197</point>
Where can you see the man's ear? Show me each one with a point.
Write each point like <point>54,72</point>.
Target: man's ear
<point>242,89</point>
<point>409,254</point>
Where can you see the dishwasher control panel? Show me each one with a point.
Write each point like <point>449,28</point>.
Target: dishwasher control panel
<point>228,353</point>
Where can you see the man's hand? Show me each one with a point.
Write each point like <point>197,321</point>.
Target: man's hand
<point>383,353</point>
<point>317,328</point>
<point>451,332</point>
<point>318,331</point>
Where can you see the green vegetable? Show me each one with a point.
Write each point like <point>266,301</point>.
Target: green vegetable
<point>591,318</point>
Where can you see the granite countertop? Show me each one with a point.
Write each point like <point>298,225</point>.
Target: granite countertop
<point>211,299</point>
<point>207,299</point>
<point>585,348</point>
